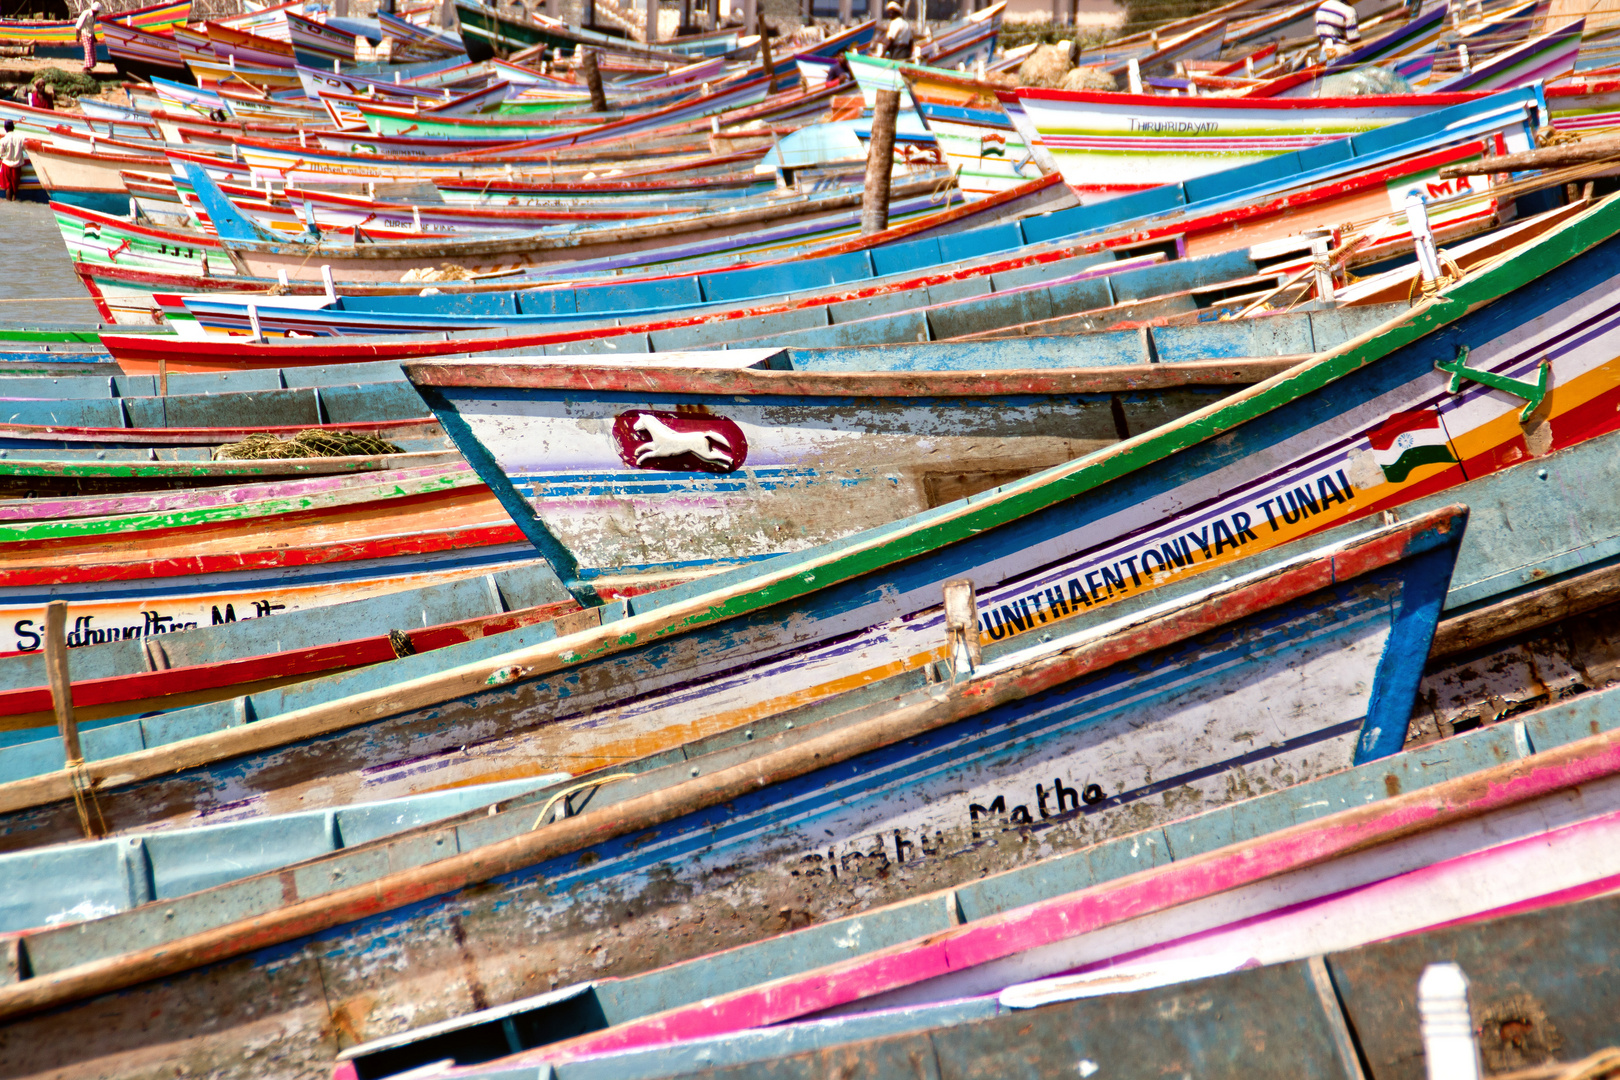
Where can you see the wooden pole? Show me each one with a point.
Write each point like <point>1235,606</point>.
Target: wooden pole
<point>1585,152</point>
<point>879,163</point>
<point>652,22</point>
<point>593,80</point>
<point>765,53</point>
<point>56,670</point>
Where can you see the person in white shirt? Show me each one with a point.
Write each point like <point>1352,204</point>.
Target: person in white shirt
<point>85,28</point>
<point>897,38</point>
<point>11,160</point>
<point>1337,28</point>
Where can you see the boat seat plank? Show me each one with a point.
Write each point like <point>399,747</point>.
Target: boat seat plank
<point>991,311</point>
<point>898,258</point>
<point>676,292</point>
<point>376,401</point>
<point>268,407</point>
<point>976,243</point>
<point>1030,275</point>
<point>618,344</point>
<point>224,382</point>
<point>867,307</point>
<point>744,284</point>
<point>107,413</point>
<point>1179,275</point>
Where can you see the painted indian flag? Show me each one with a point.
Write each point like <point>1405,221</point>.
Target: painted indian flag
<point>992,144</point>
<point>1408,440</point>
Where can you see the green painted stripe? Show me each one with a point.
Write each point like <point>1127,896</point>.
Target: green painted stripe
<point>137,523</point>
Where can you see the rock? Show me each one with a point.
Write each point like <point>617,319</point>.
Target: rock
<point>1047,65</point>
<point>1089,78</point>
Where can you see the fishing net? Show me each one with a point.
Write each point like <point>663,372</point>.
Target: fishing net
<point>306,444</point>
<point>1047,65</point>
<point>1089,78</point>
<point>445,272</point>
<point>1365,82</point>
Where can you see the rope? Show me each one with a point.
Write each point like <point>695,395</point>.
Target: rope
<point>1603,1063</point>
<point>563,794</point>
<point>1450,273</point>
<point>262,446</point>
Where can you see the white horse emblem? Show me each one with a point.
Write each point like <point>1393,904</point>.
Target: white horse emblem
<point>664,441</point>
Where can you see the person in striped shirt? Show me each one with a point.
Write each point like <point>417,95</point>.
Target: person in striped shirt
<point>1336,28</point>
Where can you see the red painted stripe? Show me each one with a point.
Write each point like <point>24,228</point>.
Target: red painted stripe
<point>314,555</point>
<point>148,685</point>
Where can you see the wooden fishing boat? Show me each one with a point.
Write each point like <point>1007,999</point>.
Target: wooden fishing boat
<point>87,179</point>
<point>856,891</point>
<point>143,53</point>
<point>1210,231</point>
<point>1524,835</point>
<point>317,40</point>
<point>102,472</point>
<point>189,860</point>
<point>167,667</point>
<point>53,38</point>
<point>1110,144</point>
<point>167,595</point>
<point>675,311</point>
<point>488,31</point>
<point>802,456</point>
<point>1374,565</point>
<point>363,398</point>
<point>1228,202</point>
<point>710,656</point>
<point>1349,1008</point>
<point>261,254</point>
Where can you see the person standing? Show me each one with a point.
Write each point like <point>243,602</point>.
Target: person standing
<point>11,160</point>
<point>1337,28</point>
<point>897,43</point>
<point>85,28</point>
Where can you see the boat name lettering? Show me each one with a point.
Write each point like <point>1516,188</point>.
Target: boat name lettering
<point>1174,125</point>
<point>29,639</point>
<point>875,854</point>
<point>1217,539</point>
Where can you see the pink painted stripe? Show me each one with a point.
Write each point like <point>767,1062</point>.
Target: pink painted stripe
<point>1091,909</point>
<point>245,491</point>
<point>1394,893</point>
<point>1270,143</point>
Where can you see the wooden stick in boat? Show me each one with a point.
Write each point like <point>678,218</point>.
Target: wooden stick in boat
<point>1585,152</point>
<point>593,80</point>
<point>765,51</point>
<point>56,670</point>
<point>879,163</point>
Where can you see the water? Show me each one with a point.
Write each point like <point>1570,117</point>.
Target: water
<point>37,282</point>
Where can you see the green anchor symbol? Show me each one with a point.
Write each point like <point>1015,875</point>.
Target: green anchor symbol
<point>1532,393</point>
